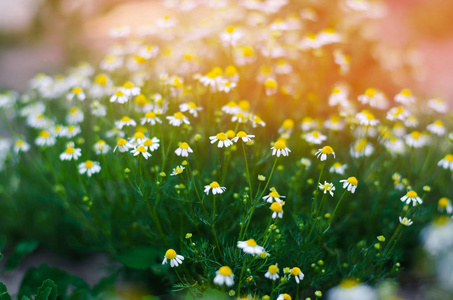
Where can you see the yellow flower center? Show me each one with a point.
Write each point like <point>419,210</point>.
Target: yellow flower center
<point>270,84</point>
<point>77,90</point>
<point>273,269</point>
<point>221,136</point>
<point>179,115</point>
<point>349,283</point>
<point>141,149</point>
<point>439,123</point>
<point>214,184</point>
<point>276,207</point>
<point>44,134</point>
<point>370,92</point>
<point>315,134</point>
<point>119,93</point>
<point>225,271</point>
<point>229,29</point>
<point>416,135</point>
<point>327,150</point>
<point>192,105</point>
<point>230,71</point>
<point>251,243</point>
<point>101,79</point>
<point>295,271</point>
<point>73,110</point>
<point>280,145</point>
<point>274,194</point>
<point>128,85</point>
<point>69,150</point>
<point>230,134</point>
<point>121,142</point>
<point>326,186</point>
<point>406,92</point>
<point>184,145</point>
<point>141,100</point>
<point>89,164</point>
<point>241,134</point>
<point>170,254</point>
<point>125,119</point>
<point>411,194</point>
<point>443,202</point>
<point>257,120</point>
<point>150,115</point>
<point>337,165</point>
<point>449,157</point>
<point>244,105</point>
<point>19,143</point>
<point>110,58</point>
<point>442,220</point>
<point>148,142</point>
<point>288,124</point>
<point>286,297</point>
<point>71,128</point>
<point>353,180</point>
<point>248,51</point>
<point>336,91</point>
<point>361,145</point>
<point>139,135</point>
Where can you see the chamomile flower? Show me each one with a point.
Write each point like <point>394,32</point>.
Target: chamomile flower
<point>361,148</point>
<point>191,107</point>
<point>71,153</point>
<point>243,136</point>
<point>395,146</point>
<point>277,210</point>
<point>97,109</point>
<point>446,162</point>
<point>438,105</point>
<point>287,126</point>
<point>437,128</point>
<point>38,121</point>
<point>324,152</point>
<point>138,138</point>
<point>405,97</point>
<point>215,187</point>
<point>45,139</point>
<point>175,259</point>
<point>327,187</point>
<point>297,273</point>
<point>280,148</point>
<point>239,117</point>
<point>270,86</point>
<point>150,118</point>
<point>350,288</point>
<point>350,184</point>
<point>231,108</point>
<point>338,96</point>
<point>397,113</point>
<point>74,115</point>
<point>183,150</point>
<point>224,276</point>
<point>222,140</point>
<point>416,140</point>
<point>250,247</point>
<point>305,162</point>
<point>284,297</point>
<point>72,131</point>
<point>177,119</point>
<point>101,147</point>
<point>89,167</point>
<point>315,137</point>
<point>366,118</point>
<point>177,170</point>
<point>444,204</point>
<point>257,121</point>
<point>76,93</point>
<point>129,89</point>
<point>411,121</point>
<point>122,145</point>
<point>334,123</point>
<point>338,168</point>
<point>273,196</point>
<point>405,221</point>
<point>21,146</point>
<point>119,96</point>
<point>125,121</point>
<point>374,98</point>
<point>141,150</point>
<point>411,196</point>
<point>151,144</point>
<point>272,272</point>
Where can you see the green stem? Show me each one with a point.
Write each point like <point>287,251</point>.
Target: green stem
<point>248,172</point>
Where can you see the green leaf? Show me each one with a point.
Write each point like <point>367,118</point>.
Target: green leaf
<point>4,292</point>
<point>139,258</point>
<point>36,276</point>
<point>47,291</point>
<point>22,249</point>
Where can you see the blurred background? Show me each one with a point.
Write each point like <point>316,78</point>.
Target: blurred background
<point>47,35</point>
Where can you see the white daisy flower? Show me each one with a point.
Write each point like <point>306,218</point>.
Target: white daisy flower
<point>150,118</point>
<point>215,187</point>
<point>101,147</point>
<point>21,146</point>
<point>397,113</point>
<point>444,205</point>
<point>322,153</point>
<point>297,273</point>
<point>122,145</point>
<point>405,221</point>
<point>224,276</point>
<point>395,146</point>
<point>243,136</point>
<point>76,93</point>
<point>191,107</point>
<point>361,148</point>
<point>411,196</point>
<point>74,116</point>
<point>374,98</point>
<point>71,153</point>
<point>90,167</point>
<point>125,121</point>
<point>45,139</point>
<point>315,137</point>
<point>250,247</point>
<point>280,148</point>
<point>239,117</point>
<point>257,121</point>
<point>231,108</point>
<point>130,90</point>
<point>119,96</point>
<point>438,105</point>
<point>183,150</point>
<point>151,144</point>
<point>222,140</point>
<point>175,259</point>
<point>177,170</point>
<point>366,118</point>
<point>411,121</point>
<point>338,168</point>
<point>38,121</point>
<point>97,109</point>
<point>405,97</point>
<point>327,187</point>
<point>277,210</point>
<point>350,184</point>
<point>284,297</point>
<point>231,36</point>
<point>177,119</point>
<point>273,196</point>
<point>437,128</point>
<point>272,272</point>
<point>111,62</point>
<point>416,139</point>
<point>141,150</point>
<point>446,162</point>
<point>72,131</point>
<point>349,288</point>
